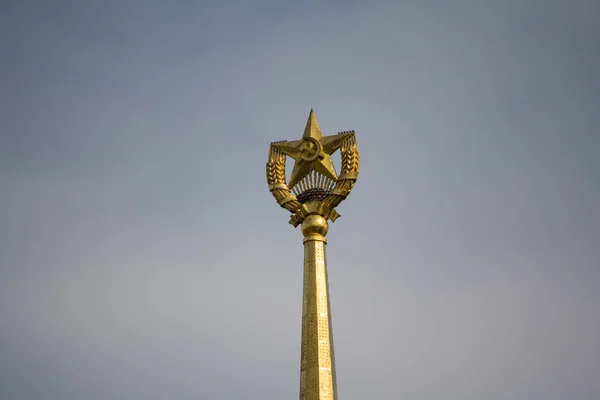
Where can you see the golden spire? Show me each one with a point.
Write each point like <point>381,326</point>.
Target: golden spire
<point>319,190</point>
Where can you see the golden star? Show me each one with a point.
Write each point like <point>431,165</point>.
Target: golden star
<point>312,152</point>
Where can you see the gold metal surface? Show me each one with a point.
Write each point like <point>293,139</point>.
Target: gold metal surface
<point>313,192</point>
<point>313,151</point>
<point>317,362</point>
<point>316,175</point>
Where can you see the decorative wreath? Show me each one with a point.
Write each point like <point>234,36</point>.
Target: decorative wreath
<point>328,193</point>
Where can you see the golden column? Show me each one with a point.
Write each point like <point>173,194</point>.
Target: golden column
<point>311,195</point>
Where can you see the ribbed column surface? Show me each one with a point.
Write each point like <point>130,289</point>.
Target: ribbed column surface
<point>317,361</point>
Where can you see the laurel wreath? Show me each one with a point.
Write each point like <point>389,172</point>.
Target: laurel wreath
<point>343,186</point>
<point>276,180</point>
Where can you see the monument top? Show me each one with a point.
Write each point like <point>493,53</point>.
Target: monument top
<point>311,195</point>
<point>314,186</point>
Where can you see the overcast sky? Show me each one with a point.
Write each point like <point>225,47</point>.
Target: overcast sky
<point>143,257</point>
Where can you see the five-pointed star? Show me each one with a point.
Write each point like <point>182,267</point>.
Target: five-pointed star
<point>312,152</point>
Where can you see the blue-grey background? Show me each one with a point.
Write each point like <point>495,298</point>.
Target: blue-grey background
<point>142,256</point>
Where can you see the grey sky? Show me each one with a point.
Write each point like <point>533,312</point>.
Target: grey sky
<point>142,256</point>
